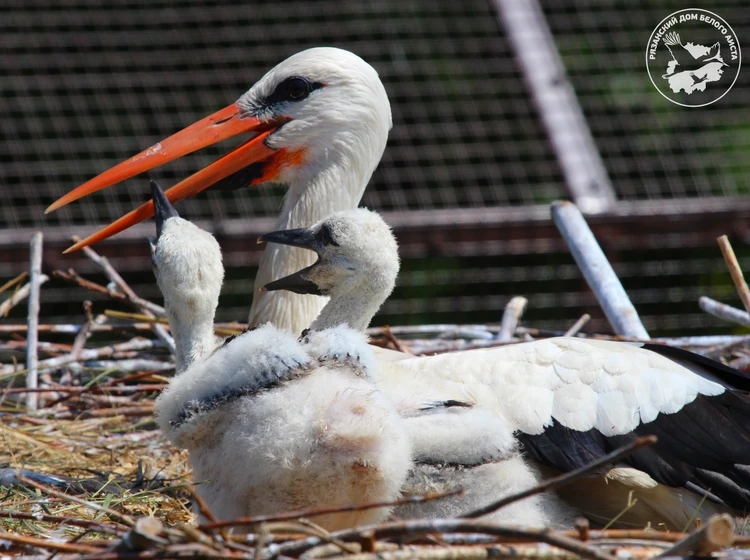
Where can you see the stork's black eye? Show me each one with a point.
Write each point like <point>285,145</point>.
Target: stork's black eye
<point>292,89</point>
<point>297,88</point>
<point>325,236</point>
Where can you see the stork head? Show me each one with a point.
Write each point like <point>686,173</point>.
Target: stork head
<point>357,261</point>
<point>333,109</point>
<point>187,264</point>
<point>319,109</point>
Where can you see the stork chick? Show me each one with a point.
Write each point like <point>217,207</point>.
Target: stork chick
<point>275,424</point>
<point>455,443</point>
<point>357,266</point>
<point>189,271</point>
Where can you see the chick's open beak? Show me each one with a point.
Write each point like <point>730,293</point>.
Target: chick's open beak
<point>297,282</point>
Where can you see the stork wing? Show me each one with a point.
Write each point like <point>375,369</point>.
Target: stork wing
<point>703,447</point>
<point>681,55</point>
<point>256,360</point>
<point>571,401</point>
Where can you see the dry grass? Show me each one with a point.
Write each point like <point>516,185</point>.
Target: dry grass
<point>118,462</point>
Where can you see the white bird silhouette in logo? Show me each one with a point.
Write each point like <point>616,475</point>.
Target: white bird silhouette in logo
<point>692,65</point>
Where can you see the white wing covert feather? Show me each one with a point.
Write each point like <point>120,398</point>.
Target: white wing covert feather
<point>583,384</point>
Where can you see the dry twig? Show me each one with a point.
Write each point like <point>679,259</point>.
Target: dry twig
<point>48,544</point>
<point>143,535</point>
<point>114,276</point>
<point>80,340</point>
<point>724,311</point>
<point>128,389</point>
<point>578,325</point>
<point>72,277</point>
<point>19,295</point>
<point>390,337</point>
<point>17,280</point>
<point>511,317</point>
<point>420,527</point>
<point>92,354</point>
<point>716,534</point>
<point>219,330</point>
<point>75,329</point>
<point>735,271</point>
<point>32,336</point>
<point>97,526</point>
<point>253,520</point>
<point>115,515</point>
<point>596,269</point>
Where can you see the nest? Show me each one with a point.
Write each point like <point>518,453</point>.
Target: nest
<point>86,474</point>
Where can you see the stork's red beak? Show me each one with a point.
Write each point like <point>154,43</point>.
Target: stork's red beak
<point>221,125</point>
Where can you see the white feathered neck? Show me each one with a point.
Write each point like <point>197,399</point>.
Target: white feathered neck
<point>341,131</point>
<point>189,272</point>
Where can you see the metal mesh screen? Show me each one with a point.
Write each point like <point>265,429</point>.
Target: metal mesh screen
<point>86,84</point>
<point>92,84</point>
<point>652,148</point>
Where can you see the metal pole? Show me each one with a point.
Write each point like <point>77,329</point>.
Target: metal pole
<point>598,272</point>
<point>555,98</point>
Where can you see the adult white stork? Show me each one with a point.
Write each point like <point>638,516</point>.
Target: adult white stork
<point>569,401</point>
<point>321,120</point>
<point>273,423</point>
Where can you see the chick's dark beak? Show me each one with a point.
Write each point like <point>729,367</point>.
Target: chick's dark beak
<point>163,209</point>
<point>297,283</point>
<point>301,237</point>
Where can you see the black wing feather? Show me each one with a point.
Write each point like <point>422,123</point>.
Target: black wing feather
<point>705,446</point>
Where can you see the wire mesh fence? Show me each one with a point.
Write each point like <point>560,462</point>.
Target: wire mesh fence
<point>653,149</point>
<point>91,85</point>
<point>87,84</point>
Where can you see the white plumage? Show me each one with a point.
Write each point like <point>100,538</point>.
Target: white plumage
<point>274,434</point>
<point>457,442</point>
<point>585,393</point>
<point>189,272</point>
<point>275,424</point>
<point>584,384</point>
<point>466,446</point>
<point>357,261</point>
<point>568,400</point>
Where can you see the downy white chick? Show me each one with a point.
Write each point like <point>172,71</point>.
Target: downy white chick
<point>189,271</point>
<point>456,443</point>
<point>275,424</point>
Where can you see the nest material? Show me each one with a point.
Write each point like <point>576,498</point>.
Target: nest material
<point>85,474</point>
